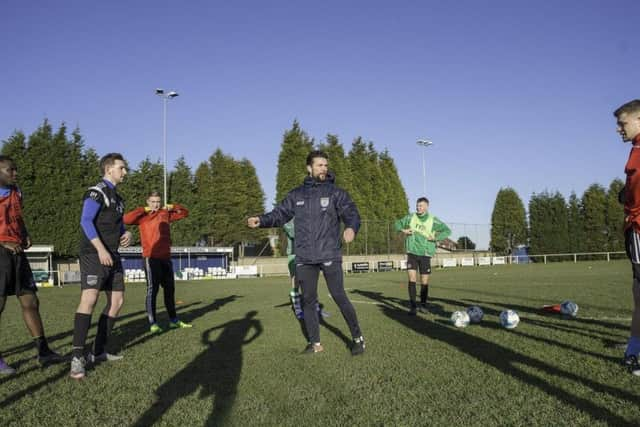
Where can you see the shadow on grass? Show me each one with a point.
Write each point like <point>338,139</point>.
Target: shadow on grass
<point>506,361</point>
<point>214,372</point>
<point>303,329</point>
<point>127,335</point>
<point>137,332</point>
<point>576,320</point>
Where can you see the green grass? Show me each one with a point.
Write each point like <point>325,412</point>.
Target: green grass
<point>238,367</point>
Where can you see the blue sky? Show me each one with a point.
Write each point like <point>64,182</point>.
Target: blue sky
<point>512,93</point>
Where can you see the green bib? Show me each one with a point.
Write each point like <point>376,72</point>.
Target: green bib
<point>424,228</point>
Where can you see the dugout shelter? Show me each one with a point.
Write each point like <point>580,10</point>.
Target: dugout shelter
<point>41,261</point>
<point>188,261</point>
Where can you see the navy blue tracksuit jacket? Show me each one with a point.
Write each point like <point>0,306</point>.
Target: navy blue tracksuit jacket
<point>318,207</point>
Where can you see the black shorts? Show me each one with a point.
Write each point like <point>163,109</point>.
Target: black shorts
<point>16,277</point>
<point>94,275</point>
<point>415,262</point>
<point>632,245</point>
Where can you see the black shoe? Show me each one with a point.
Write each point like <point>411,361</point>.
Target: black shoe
<point>313,348</point>
<point>412,311</point>
<point>50,357</point>
<point>358,346</point>
<point>422,308</point>
<point>631,363</point>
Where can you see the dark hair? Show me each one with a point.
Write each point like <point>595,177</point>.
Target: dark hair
<point>153,193</point>
<point>422,199</point>
<point>4,158</point>
<point>315,154</point>
<point>108,160</point>
<point>629,107</point>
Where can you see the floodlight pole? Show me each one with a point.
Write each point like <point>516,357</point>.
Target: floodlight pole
<point>164,150</point>
<point>424,143</point>
<point>165,98</point>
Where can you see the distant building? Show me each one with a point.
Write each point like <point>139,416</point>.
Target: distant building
<point>448,244</point>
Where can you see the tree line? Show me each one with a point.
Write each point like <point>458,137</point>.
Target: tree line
<point>370,177</point>
<point>591,223</point>
<point>55,168</point>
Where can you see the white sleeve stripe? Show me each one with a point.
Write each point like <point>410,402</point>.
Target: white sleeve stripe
<point>99,190</point>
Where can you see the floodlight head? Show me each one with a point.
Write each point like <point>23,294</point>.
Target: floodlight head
<point>159,91</point>
<point>424,142</point>
<point>172,94</point>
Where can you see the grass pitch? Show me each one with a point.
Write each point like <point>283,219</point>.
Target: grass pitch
<point>241,364</point>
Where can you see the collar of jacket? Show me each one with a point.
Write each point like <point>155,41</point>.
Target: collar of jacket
<point>310,182</point>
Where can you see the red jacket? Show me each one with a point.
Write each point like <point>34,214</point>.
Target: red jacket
<point>12,227</point>
<point>154,229</point>
<point>632,187</point>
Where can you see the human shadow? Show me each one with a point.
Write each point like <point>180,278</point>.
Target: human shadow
<point>27,360</point>
<point>137,332</point>
<point>68,333</point>
<point>215,372</point>
<point>507,361</point>
<point>127,335</point>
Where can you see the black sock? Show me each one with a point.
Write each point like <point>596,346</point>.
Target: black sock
<point>81,325</point>
<point>412,293</point>
<point>41,345</point>
<point>424,293</point>
<point>105,325</point>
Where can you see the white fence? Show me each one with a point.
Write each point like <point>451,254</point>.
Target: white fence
<point>528,259</point>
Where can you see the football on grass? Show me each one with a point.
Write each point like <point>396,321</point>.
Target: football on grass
<point>475,314</point>
<point>569,308</point>
<point>509,319</point>
<point>460,319</point>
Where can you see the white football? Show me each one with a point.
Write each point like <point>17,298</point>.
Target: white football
<point>569,308</point>
<point>460,319</point>
<point>475,314</point>
<point>509,319</point>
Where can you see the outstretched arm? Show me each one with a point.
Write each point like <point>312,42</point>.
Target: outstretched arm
<point>279,216</point>
<point>177,212</point>
<point>134,217</point>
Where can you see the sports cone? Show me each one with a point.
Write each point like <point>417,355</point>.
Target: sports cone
<point>551,308</point>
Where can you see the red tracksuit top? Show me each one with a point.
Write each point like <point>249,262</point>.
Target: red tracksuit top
<point>154,229</point>
<point>11,222</point>
<point>632,187</point>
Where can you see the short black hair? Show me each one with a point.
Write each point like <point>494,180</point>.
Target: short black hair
<point>422,199</point>
<point>154,193</point>
<point>108,160</point>
<point>629,107</point>
<point>315,154</point>
<point>4,158</point>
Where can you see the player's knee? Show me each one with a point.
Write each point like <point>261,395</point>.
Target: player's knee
<point>87,302</point>
<point>636,271</point>
<point>29,302</point>
<point>117,301</point>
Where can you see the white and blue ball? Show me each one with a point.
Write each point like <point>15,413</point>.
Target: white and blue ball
<point>475,314</point>
<point>569,308</point>
<point>509,319</point>
<point>460,319</point>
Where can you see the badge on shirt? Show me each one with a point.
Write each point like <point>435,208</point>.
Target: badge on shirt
<point>324,202</point>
